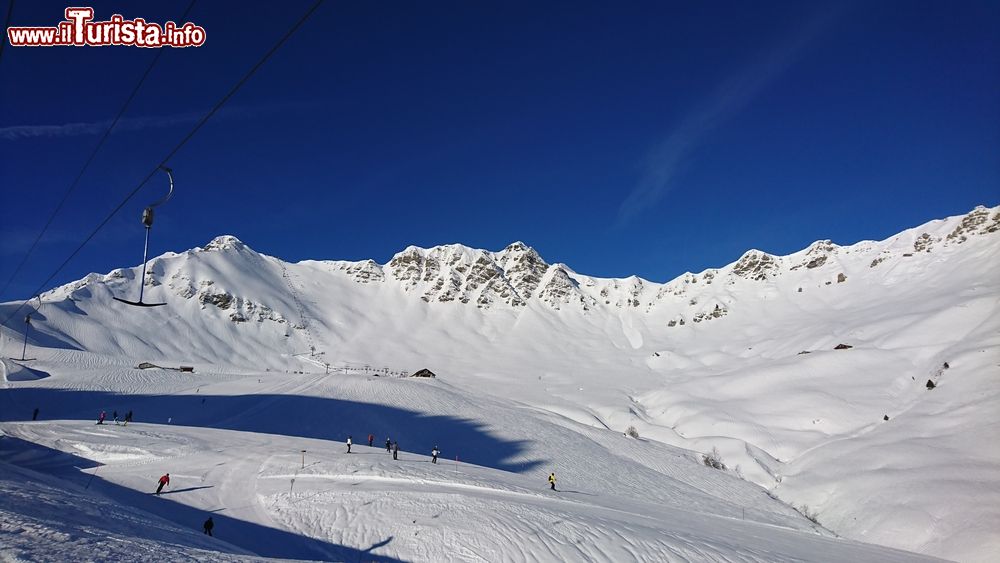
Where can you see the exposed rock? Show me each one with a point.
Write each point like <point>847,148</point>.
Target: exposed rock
<point>841,277</point>
<point>408,265</point>
<point>978,217</point>
<point>756,266</point>
<point>243,310</point>
<point>994,224</point>
<point>923,243</point>
<point>423,373</point>
<point>455,273</point>
<point>523,268</point>
<point>220,300</point>
<point>364,272</point>
<point>560,289</point>
<point>843,347</point>
<point>818,253</point>
<point>716,313</point>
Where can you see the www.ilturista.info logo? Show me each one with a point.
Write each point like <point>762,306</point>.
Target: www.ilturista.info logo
<point>79,30</point>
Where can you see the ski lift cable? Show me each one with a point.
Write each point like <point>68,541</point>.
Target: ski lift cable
<point>93,154</point>
<point>10,13</point>
<point>184,141</point>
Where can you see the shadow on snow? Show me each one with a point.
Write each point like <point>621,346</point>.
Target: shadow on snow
<point>261,540</point>
<point>288,415</point>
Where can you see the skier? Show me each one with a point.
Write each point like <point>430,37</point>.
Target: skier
<point>164,480</point>
<point>128,417</point>
<point>349,444</point>
<point>100,418</point>
<point>388,445</point>
<point>434,454</point>
<point>115,416</point>
<point>209,525</point>
<point>552,481</point>
<point>395,450</point>
<point>371,440</point>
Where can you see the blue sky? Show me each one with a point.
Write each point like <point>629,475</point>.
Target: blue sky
<point>645,138</point>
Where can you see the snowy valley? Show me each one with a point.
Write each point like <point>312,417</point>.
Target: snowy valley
<point>849,394</point>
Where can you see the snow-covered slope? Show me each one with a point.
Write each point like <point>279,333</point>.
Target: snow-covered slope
<point>47,519</point>
<point>264,455</point>
<point>741,358</point>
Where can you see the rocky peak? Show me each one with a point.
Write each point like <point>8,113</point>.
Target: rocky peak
<point>224,242</point>
<point>409,265</point>
<point>516,246</point>
<point>821,247</point>
<point>976,222</point>
<point>756,265</point>
<point>523,268</point>
<point>453,273</point>
<point>817,254</point>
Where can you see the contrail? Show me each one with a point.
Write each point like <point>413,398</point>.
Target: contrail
<point>665,160</point>
<point>16,132</point>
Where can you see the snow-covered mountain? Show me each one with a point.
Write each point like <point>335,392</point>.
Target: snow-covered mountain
<point>329,304</point>
<point>745,358</point>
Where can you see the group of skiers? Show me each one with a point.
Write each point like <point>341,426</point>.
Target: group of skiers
<point>103,415</point>
<point>392,447</point>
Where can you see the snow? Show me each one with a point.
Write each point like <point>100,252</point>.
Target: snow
<point>652,503</point>
<point>540,369</point>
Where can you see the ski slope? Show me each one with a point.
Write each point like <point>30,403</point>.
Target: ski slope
<point>238,456</point>
<point>542,369</point>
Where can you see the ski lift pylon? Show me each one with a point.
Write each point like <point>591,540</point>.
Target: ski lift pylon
<point>147,221</point>
<point>27,327</point>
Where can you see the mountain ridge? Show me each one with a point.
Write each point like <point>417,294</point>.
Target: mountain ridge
<point>517,274</point>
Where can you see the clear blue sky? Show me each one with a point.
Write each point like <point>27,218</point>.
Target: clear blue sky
<point>643,138</point>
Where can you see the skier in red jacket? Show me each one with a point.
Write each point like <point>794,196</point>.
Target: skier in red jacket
<point>165,480</point>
